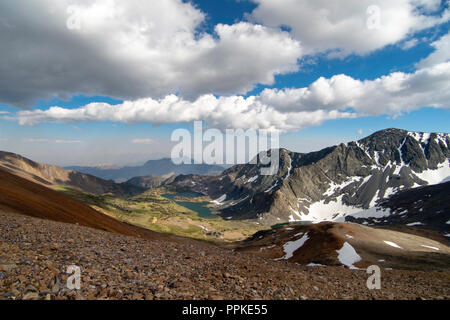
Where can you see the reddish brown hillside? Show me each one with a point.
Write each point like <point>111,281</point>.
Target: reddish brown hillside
<point>28,198</point>
<point>323,244</point>
<point>49,175</point>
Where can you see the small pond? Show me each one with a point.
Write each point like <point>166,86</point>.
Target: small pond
<point>199,207</point>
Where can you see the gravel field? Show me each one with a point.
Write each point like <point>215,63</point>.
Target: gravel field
<point>35,254</point>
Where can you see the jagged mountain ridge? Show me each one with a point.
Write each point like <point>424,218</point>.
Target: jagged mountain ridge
<point>50,175</point>
<point>330,184</point>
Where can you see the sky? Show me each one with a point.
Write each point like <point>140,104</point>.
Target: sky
<point>107,82</point>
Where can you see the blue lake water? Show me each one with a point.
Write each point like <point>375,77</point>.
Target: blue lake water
<point>199,207</point>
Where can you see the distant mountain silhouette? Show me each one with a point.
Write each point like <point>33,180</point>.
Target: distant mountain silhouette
<point>162,168</point>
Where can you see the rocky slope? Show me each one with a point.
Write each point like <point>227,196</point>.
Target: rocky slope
<point>163,167</point>
<point>49,175</point>
<point>330,184</point>
<point>147,182</point>
<point>423,207</point>
<point>32,199</point>
<point>351,245</point>
<point>35,254</point>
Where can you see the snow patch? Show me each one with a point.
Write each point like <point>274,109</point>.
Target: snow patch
<point>348,256</point>
<point>374,199</point>
<point>334,187</point>
<point>436,176</point>
<point>442,138</point>
<point>389,192</point>
<point>421,137</point>
<point>374,212</point>
<point>402,163</point>
<point>271,188</point>
<point>290,168</point>
<point>433,248</point>
<point>220,200</point>
<point>397,170</point>
<point>319,211</point>
<point>414,224</point>
<point>253,179</point>
<point>392,244</point>
<point>377,157</point>
<point>292,246</point>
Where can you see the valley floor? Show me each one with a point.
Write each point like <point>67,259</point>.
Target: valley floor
<point>152,211</point>
<point>34,255</point>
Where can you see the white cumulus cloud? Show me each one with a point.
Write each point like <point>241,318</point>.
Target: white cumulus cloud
<point>166,71</point>
<point>287,110</point>
<point>131,49</point>
<point>441,53</point>
<point>392,94</point>
<point>342,25</point>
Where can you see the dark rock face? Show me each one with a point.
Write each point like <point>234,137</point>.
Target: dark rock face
<point>146,182</point>
<point>332,183</point>
<point>427,207</point>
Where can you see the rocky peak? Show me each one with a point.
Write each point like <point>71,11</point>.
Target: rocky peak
<point>334,182</point>
<point>418,150</point>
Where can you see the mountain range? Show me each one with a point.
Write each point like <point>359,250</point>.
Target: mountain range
<point>391,188</point>
<point>161,168</point>
<point>332,184</point>
<point>348,182</point>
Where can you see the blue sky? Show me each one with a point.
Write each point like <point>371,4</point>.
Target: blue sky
<point>298,60</point>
